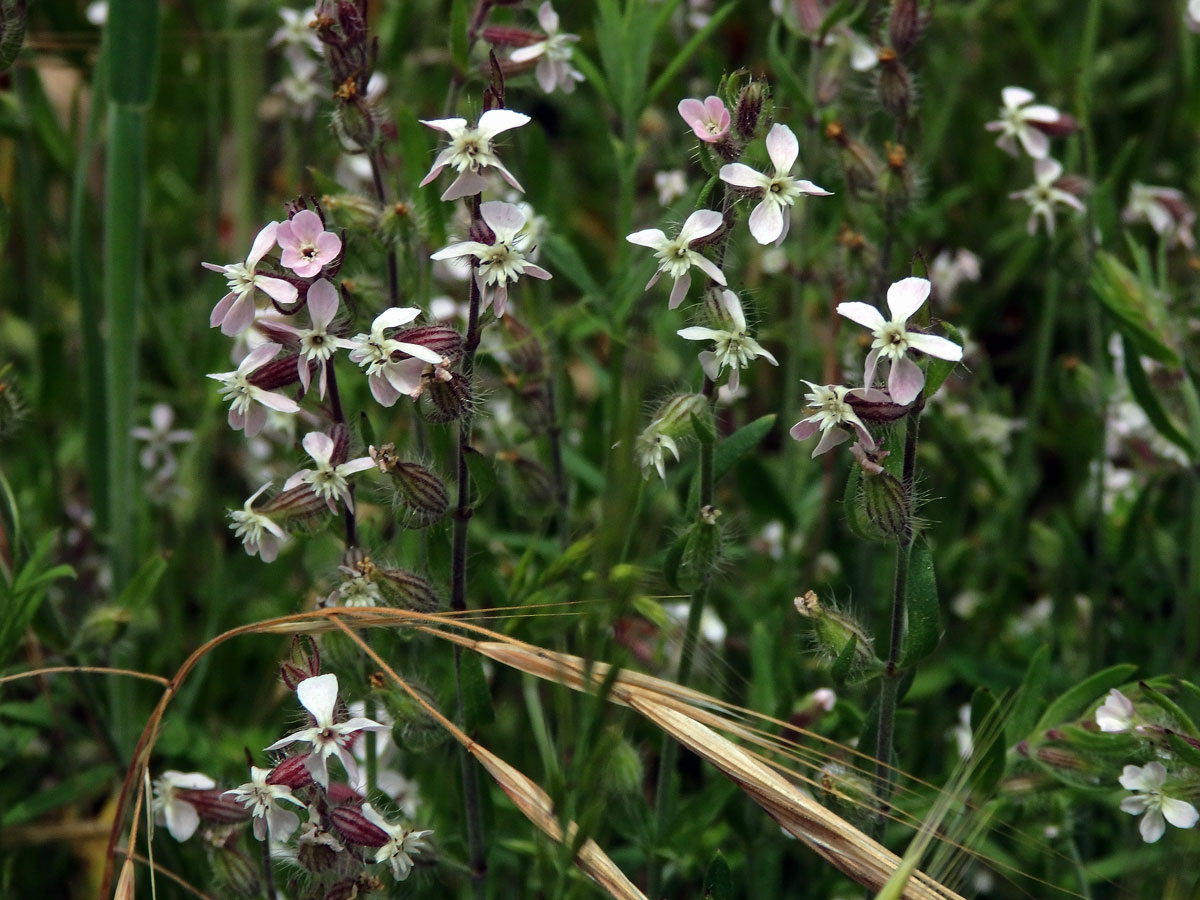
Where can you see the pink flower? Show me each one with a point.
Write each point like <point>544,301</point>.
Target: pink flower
<point>393,367</point>
<point>833,416</point>
<point>307,246</point>
<point>676,256</point>
<point>327,479</point>
<point>316,343</point>
<point>893,340</point>
<point>1020,122</point>
<point>769,221</point>
<point>554,67</point>
<point>235,311</point>
<point>709,120</point>
<point>248,401</point>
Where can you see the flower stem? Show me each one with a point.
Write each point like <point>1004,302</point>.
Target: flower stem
<point>381,196</point>
<point>339,418</point>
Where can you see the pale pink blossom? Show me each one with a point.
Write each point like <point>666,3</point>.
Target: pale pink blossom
<point>235,311</point>
<point>393,367</point>
<point>248,402</point>
<point>259,533</point>
<point>470,151</point>
<point>709,119</point>
<point>734,346</point>
<point>1044,194</point>
<point>328,480</point>
<point>1154,806</point>
<point>893,340</point>
<point>263,799</point>
<point>1167,211</point>
<point>1019,122</point>
<point>1116,715</point>
<point>554,67</point>
<point>676,256</point>
<point>170,803</point>
<point>307,246</point>
<point>833,416</point>
<point>317,345</point>
<point>769,220</point>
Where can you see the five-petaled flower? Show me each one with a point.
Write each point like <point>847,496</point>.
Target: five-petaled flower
<point>317,345</point>
<point>769,220</point>
<point>1044,193</point>
<point>249,402</point>
<point>893,340</point>
<point>501,262</point>
<point>676,256</point>
<point>235,311</point>
<point>307,246</point>
<point>327,479</point>
<point>734,346</point>
<point>402,845</point>
<point>263,799</point>
<point>393,367</point>
<point>1020,122</point>
<point>1148,782</point>
<point>554,67</point>
<point>1168,213</point>
<point>171,805</point>
<point>259,532</point>
<point>833,411</point>
<point>709,119</point>
<point>159,437</point>
<point>328,738</point>
<point>1116,714</point>
<point>470,151</point>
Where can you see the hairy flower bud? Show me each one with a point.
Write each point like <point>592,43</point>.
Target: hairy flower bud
<point>510,36</point>
<point>292,772</point>
<point>408,590</point>
<point>860,163</point>
<point>13,15</point>
<point>449,399</point>
<point>295,506</point>
<point>356,828</point>
<point>213,806</point>
<point>895,89</point>
<point>677,417</point>
<point>418,489</point>
<point>905,25</point>
<point>304,661</point>
<point>702,551</point>
<point>834,630</point>
<point>438,338</point>
<point>352,210</point>
<point>236,874</point>
<point>749,109</point>
<point>884,502</point>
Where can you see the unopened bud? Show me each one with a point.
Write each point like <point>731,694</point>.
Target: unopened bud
<point>532,484</point>
<point>524,349</point>
<point>861,165</point>
<point>354,826</point>
<point>508,36</point>
<point>340,435</point>
<point>895,91</point>
<point>749,109</point>
<point>13,16</point>
<point>304,661</point>
<point>833,630</point>
<point>292,772</point>
<point>842,783</point>
<point>876,408</point>
<point>354,118</point>
<point>1058,758</point>
<point>677,417</point>
<point>294,506</point>
<point>896,180</point>
<point>408,590</point>
<point>317,850</point>
<point>702,551</point>
<point>884,502</point>
<point>904,27</point>
<point>396,221</point>
<point>236,874</point>
<point>352,210</point>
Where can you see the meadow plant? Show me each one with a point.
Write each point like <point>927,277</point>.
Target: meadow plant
<point>943,638</point>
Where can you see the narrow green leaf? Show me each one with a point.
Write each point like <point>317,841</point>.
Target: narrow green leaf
<point>1173,709</point>
<point>704,428</point>
<point>840,670</point>
<point>987,760</point>
<point>82,785</point>
<point>1029,698</point>
<point>138,591</point>
<point>921,607</point>
<point>1072,702</point>
<point>741,442</point>
<point>1135,307</point>
<point>132,31</point>
<point>784,71</point>
<point>1147,398</point>
<point>1186,750</point>
<point>686,52</point>
<point>718,882</point>
<point>564,258</point>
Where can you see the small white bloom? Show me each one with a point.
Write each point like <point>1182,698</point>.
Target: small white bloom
<point>651,450</point>
<point>734,346</point>
<point>832,412</point>
<point>328,480</point>
<point>470,151</point>
<point>671,185</point>
<point>328,738</point>
<point>403,843</point>
<point>390,363</point>
<point>893,340</point>
<point>235,311</point>
<point>949,270</point>
<point>263,799</point>
<point>171,806</point>
<point>295,31</point>
<point>248,402</point>
<point>317,345</point>
<point>676,256</point>
<point>1191,16</point>
<point>504,260</point>
<point>554,67</point>
<point>1166,209</point>
<point>769,220</point>
<point>1116,714</point>
<point>1042,195</point>
<point>1018,122</point>
<point>1152,804</point>
<point>157,455</point>
<point>258,532</point>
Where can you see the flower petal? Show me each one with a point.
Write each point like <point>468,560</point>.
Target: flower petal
<point>1015,96</point>
<point>1179,813</point>
<point>906,296</point>
<point>679,290</point>
<point>322,304</point>
<point>318,695</point>
<point>905,380</point>
<point>263,242</point>
<point>648,237</point>
<point>494,121</point>
<point>1035,142</point>
<point>782,147</point>
<point>741,175</point>
<point>932,345</point>
<point>1152,826</point>
<point>319,446</point>
<point>701,223</point>
<point>182,819</point>
<point>504,219</point>
<point>862,313</point>
<point>766,222</point>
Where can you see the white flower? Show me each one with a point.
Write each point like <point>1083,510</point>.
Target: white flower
<point>328,738</point>
<point>248,402</point>
<point>263,799</point>
<point>832,412</point>
<point>949,270</point>
<point>554,68</point>
<point>1043,194</point>
<point>295,30</point>
<point>769,221</point>
<point>235,311</point>
<point>735,348</point>
<point>259,533</point>
<point>675,255</point>
<point>1165,209</point>
<point>501,262</point>
<point>1116,714</point>
<point>172,808</point>
<point>317,345</point>
<point>893,340</point>
<point>328,480</point>
<point>1148,782</point>
<point>1018,122</point>
<point>671,185</point>
<point>651,450</point>
<point>403,843</point>
<point>392,366</point>
<point>470,151</point>
<point>159,437</point>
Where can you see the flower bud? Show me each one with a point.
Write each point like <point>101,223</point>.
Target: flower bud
<point>418,489</point>
<point>449,399</point>
<point>884,502</point>
<point>355,827</point>
<point>895,183</point>
<point>676,418</point>
<point>352,210</point>
<point>842,783</point>
<point>236,874</point>
<point>292,772</point>
<point>1058,758</point>
<point>509,36</point>
<point>304,661</point>
<point>407,590</point>
<point>531,483</point>
<point>702,551</point>
<point>13,411</point>
<point>904,26</point>
<point>861,165</point>
<point>749,108</point>
<point>877,408</point>
<point>895,91</point>
<point>340,435</point>
<point>524,349</point>
<point>833,630</point>
<point>1063,126</point>
<point>294,505</point>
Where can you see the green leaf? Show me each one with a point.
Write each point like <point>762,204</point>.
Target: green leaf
<point>141,586</point>
<point>673,560</point>
<point>685,53</point>
<point>738,444</point>
<point>19,601</point>
<point>1173,709</point>
<point>483,474</point>
<point>939,370</point>
<point>704,428</point>
<point>1147,398</point>
<point>1029,697</point>
<point>477,696</point>
<point>565,259</point>
<point>1135,306</point>
<point>133,58</point>
<point>1072,702</point>
<point>845,659</point>
<point>81,785</point>
<point>784,71</point>
<point>1186,750</point>
<point>921,607</point>
<point>718,882</point>
<point>987,760</point>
